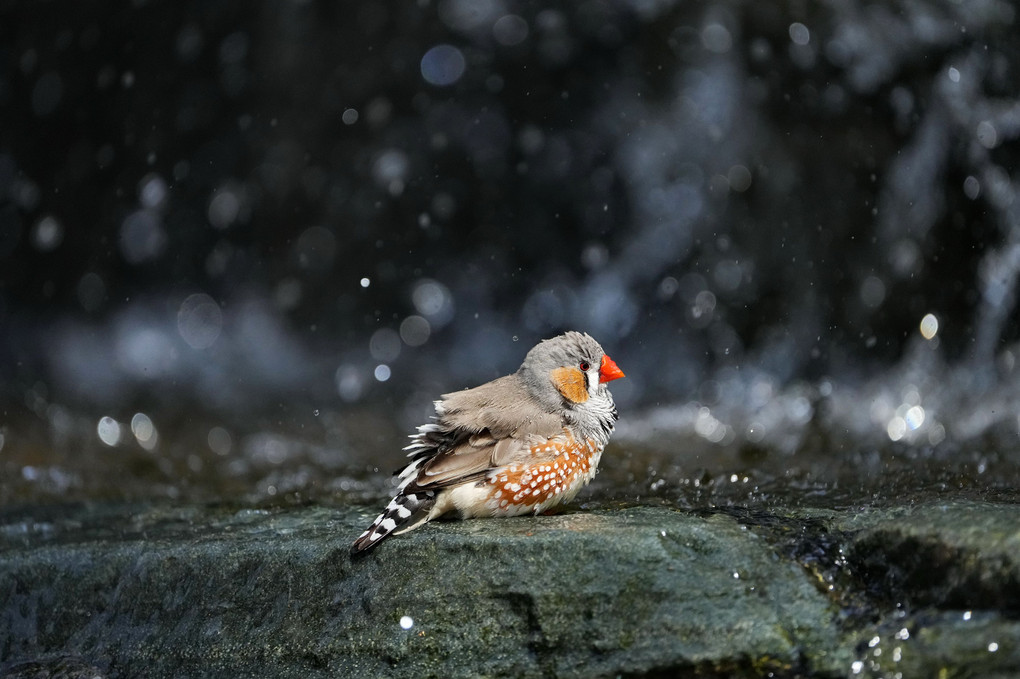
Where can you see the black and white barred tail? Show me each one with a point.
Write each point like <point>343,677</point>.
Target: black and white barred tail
<point>408,509</point>
<point>403,513</point>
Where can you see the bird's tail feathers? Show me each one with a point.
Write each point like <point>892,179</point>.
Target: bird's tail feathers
<point>404,512</point>
<point>427,441</point>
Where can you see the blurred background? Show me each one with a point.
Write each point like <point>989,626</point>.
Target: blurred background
<point>243,245</point>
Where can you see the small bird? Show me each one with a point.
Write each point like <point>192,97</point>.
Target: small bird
<point>517,445</point>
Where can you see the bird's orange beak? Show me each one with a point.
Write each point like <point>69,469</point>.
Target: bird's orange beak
<point>609,370</point>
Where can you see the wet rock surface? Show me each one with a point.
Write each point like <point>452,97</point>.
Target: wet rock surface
<point>123,590</point>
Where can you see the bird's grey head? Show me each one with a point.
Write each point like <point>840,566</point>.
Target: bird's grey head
<point>569,350</point>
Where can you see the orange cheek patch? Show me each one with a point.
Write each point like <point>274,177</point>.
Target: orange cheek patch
<point>570,383</point>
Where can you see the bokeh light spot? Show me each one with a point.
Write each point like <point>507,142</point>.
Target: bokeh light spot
<point>987,135</point>
<point>799,33</point>
<point>349,383</point>
<point>739,178</point>
<point>152,191</point>
<point>510,30</point>
<point>47,234</point>
<point>872,292</point>
<point>971,187</point>
<point>716,38</point>
<point>199,321</point>
<point>224,208</point>
<point>220,441</point>
<point>108,430</point>
<point>390,170</point>
<point>414,331</point>
<point>142,237</point>
<point>384,345</point>
<point>433,300</point>
<point>144,431</point>
<point>914,417</point>
<point>896,428</point>
<point>443,65</point>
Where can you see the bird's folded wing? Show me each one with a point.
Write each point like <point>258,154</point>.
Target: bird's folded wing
<point>478,430</point>
<point>476,457</point>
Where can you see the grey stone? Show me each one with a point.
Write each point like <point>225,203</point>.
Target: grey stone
<point>158,592</point>
<point>135,590</point>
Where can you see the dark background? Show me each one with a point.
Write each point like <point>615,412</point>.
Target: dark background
<point>297,220</point>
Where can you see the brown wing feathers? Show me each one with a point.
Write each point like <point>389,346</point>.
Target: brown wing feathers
<point>476,430</point>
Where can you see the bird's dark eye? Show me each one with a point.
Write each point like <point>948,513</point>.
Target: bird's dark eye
<point>584,366</point>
